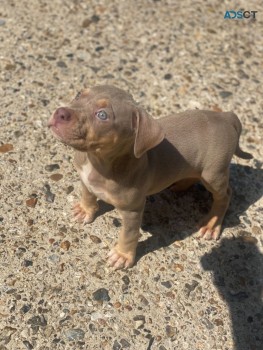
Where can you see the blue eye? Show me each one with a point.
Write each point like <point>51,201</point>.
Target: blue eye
<point>102,115</point>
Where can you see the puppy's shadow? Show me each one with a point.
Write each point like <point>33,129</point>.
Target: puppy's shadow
<point>247,185</point>
<point>171,216</point>
<point>103,208</point>
<point>237,267</point>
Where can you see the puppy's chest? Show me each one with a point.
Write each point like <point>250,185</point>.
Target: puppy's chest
<point>96,183</point>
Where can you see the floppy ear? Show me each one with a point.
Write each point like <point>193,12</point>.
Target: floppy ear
<point>148,132</point>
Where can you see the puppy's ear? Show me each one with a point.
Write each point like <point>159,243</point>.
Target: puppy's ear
<point>148,132</point>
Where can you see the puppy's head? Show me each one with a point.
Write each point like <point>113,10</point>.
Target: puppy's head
<point>105,120</point>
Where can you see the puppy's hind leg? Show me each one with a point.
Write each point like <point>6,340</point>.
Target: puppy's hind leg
<point>218,185</point>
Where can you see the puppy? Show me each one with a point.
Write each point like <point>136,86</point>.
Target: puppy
<point>123,154</point>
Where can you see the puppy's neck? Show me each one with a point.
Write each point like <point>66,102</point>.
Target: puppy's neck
<point>111,165</point>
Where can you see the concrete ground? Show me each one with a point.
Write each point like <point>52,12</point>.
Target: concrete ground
<point>183,293</point>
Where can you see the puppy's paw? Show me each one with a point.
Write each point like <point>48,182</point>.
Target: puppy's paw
<point>209,233</point>
<point>119,260</point>
<point>210,227</point>
<point>84,214</point>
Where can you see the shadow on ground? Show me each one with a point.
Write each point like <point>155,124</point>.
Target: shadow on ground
<point>236,263</point>
<point>237,267</point>
<point>170,216</point>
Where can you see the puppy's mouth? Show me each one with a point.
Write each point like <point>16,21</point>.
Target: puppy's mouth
<point>55,130</point>
<point>59,134</point>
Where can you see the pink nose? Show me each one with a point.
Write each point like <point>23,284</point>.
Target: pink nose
<point>62,115</point>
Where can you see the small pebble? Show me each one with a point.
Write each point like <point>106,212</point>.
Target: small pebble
<point>95,18</point>
<point>2,22</point>
<point>86,23</point>
<point>28,345</point>
<point>6,148</point>
<point>52,167</point>
<point>20,251</point>
<point>99,48</point>
<point>37,321</point>
<point>242,74</point>
<point>61,64</point>
<point>139,317</point>
<point>177,267</point>
<point>63,229</point>
<point>27,263</point>
<point>95,239</point>
<point>249,239</point>
<point>116,345</point>
<point>30,222</point>
<point>50,58</point>
<point>65,245</point>
<point>18,133</point>
<point>117,305</point>
<point>167,284</point>
<point>170,295</point>
<point>69,189</point>
<point>92,327</point>
<point>54,258</point>
<point>25,308</point>
<point>50,197</point>
<point>143,300</point>
<point>116,222</point>
<point>126,280</point>
<point>95,316</point>
<point>74,334</point>
<point>225,94</point>
<point>125,343</point>
<point>190,287</point>
<point>65,319</point>
<point>128,307</point>
<point>139,321</point>
<point>255,229</point>
<point>162,348</point>
<point>218,322</point>
<point>56,177</point>
<point>101,294</point>
<point>168,76</point>
<point>45,102</point>
<point>170,331</point>
<point>11,66</point>
<point>31,202</point>
<point>209,325</point>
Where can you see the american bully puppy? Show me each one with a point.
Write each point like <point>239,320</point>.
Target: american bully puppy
<point>123,154</point>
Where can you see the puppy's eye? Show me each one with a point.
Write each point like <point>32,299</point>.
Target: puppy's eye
<point>102,115</point>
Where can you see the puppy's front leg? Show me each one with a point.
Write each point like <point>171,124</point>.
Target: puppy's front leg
<point>85,210</point>
<point>123,254</point>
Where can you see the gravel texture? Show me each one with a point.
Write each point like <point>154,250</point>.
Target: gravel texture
<point>183,293</point>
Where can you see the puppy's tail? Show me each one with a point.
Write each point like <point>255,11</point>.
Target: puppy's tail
<point>241,154</point>
<point>238,126</point>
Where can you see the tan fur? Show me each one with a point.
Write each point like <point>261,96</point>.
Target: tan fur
<point>102,103</point>
<point>130,155</point>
